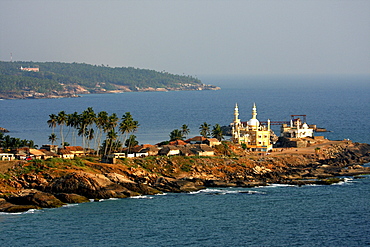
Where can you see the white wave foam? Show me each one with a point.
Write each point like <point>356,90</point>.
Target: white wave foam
<point>279,185</point>
<point>162,194</point>
<point>142,197</point>
<point>70,205</point>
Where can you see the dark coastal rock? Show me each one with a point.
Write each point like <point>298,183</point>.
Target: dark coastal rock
<point>8,207</point>
<point>99,186</point>
<point>71,198</point>
<point>167,184</point>
<point>219,183</point>
<point>250,184</point>
<point>38,198</point>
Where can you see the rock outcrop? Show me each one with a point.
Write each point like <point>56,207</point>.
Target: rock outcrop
<point>35,185</point>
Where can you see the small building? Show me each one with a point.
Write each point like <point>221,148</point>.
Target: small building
<point>30,69</point>
<point>66,154</point>
<point>177,143</point>
<point>169,150</point>
<point>76,150</point>
<point>212,142</point>
<point>36,154</point>
<point>296,129</point>
<point>202,150</point>
<point>7,156</point>
<point>50,148</point>
<point>196,140</point>
<point>48,154</point>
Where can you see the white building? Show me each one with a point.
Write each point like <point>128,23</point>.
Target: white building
<point>297,129</point>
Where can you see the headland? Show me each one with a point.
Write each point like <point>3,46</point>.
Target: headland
<point>54,182</point>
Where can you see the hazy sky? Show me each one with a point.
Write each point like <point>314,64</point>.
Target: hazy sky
<point>194,37</point>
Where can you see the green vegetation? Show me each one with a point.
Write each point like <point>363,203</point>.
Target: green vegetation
<point>179,134</point>
<point>56,76</point>
<point>91,126</point>
<point>8,143</point>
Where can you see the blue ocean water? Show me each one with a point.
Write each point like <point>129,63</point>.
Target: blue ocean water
<point>340,104</point>
<point>336,215</point>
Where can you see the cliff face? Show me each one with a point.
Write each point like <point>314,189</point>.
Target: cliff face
<point>54,182</point>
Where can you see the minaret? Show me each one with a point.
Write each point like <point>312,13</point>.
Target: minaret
<point>236,125</point>
<point>254,111</point>
<point>236,114</point>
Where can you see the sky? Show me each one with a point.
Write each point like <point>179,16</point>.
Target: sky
<point>192,37</point>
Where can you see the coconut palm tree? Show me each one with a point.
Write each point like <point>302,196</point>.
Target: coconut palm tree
<point>100,122</point>
<point>61,120</point>
<point>185,130</point>
<point>73,122</point>
<point>131,141</point>
<point>87,118</point>
<point>127,126</point>
<point>217,132</point>
<point>53,138</point>
<point>89,136</point>
<point>204,130</point>
<point>176,134</point>
<point>52,122</point>
<point>109,128</point>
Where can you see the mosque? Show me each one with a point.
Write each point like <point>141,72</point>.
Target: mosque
<point>255,136</point>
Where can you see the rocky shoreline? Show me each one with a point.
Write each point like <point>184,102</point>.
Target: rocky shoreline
<point>74,91</point>
<point>53,183</point>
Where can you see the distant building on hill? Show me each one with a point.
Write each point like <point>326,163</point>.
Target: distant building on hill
<point>30,69</point>
<point>255,136</point>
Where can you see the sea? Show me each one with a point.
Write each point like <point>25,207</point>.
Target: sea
<point>274,215</point>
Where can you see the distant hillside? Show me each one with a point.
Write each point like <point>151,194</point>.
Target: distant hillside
<point>55,79</point>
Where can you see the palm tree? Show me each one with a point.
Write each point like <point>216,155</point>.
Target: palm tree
<point>204,130</point>
<point>100,121</point>
<point>131,141</point>
<point>109,128</point>
<point>217,132</point>
<point>176,134</point>
<point>111,138</point>
<point>52,122</point>
<point>61,120</point>
<point>128,125</point>
<point>53,138</point>
<point>87,118</point>
<point>73,122</point>
<point>185,130</point>
<point>89,136</point>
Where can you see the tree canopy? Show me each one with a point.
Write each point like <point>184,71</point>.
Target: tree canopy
<point>55,76</point>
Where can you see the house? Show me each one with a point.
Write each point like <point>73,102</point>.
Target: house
<point>196,140</point>
<point>202,150</point>
<point>169,150</point>
<point>76,150</point>
<point>186,150</point>
<point>212,142</point>
<point>50,148</point>
<point>151,150</point>
<point>48,154</point>
<point>177,143</point>
<point>66,154</point>
<point>36,154</point>
<point>6,156</point>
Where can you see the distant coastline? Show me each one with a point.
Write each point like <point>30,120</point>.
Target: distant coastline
<point>38,80</point>
<point>73,94</point>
